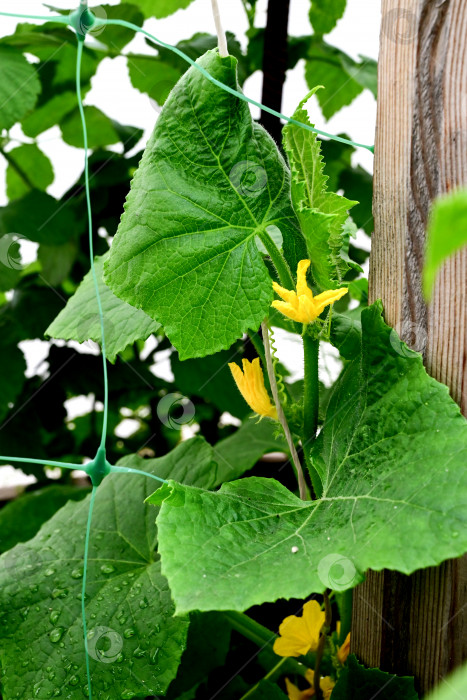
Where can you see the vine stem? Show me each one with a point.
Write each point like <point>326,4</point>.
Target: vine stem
<point>311,405</point>
<point>222,40</point>
<point>322,644</point>
<point>281,415</point>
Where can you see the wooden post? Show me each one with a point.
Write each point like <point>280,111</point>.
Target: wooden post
<point>417,624</point>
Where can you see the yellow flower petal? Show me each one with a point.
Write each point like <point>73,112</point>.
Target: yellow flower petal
<point>344,650</point>
<point>300,305</point>
<point>302,286</point>
<point>295,693</point>
<point>250,383</point>
<point>329,297</point>
<point>299,635</point>
<point>283,646</point>
<point>313,618</point>
<point>284,294</point>
<point>289,311</point>
<point>327,685</point>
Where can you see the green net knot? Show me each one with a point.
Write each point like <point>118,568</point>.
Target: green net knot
<point>82,20</point>
<point>98,469</point>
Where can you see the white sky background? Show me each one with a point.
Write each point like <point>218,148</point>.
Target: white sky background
<point>357,33</point>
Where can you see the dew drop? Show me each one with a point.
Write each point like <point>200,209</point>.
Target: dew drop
<point>294,550</point>
<point>129,633</point>
<point>127,695</point>
<point>49,572</point>
<point>54,615</point>
<point>74,680</point>
<point>76,573</point>
<point>59,593</point>
<point>107,569</point>
<point>56,634</point>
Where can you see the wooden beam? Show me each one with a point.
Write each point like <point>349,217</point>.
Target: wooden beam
<point>417,624</point>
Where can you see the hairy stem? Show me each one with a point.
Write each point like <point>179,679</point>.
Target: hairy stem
<point>311,405</point>
<point>322,645</point>
<point>221,38</point>
<point>281,415</point>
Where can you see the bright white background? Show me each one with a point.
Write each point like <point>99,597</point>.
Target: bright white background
<point>356,33</point>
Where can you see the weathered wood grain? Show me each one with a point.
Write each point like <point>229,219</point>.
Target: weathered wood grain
<point>418,624</point>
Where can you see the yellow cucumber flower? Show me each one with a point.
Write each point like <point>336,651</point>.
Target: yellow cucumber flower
<point>301,305</point>
<point>344,650</point>
<point>299,635</point>
<point>326,684</point>
<point>251,385</point>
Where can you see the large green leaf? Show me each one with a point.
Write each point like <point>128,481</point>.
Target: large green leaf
<point>48,114</point>
<point>359,683</point>
<point>209,183</point>
<point>101,131</point>
<point>19,87</point>
<point>79,320</point>
<point>128,602</point>
<point>447,233</point>
<point>322,214</point>
<point>27,166</point>
<point>391,457</point>
<point>324,14</point>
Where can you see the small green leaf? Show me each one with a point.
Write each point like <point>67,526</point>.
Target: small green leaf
<point>325,66</point>
<point>359,683</point>
<point>391,456</point>
<point>185,250</point>
<point>322,214</point>
<point>447,233</point>
<point>324,14</point>
<point>48,114</point>
<point>19,87</point>
<point>79,320</point>
<point>34,164</point>
<point>152,76</point>
<point>101,131</point>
